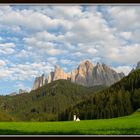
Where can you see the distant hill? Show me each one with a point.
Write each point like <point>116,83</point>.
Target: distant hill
<point>122,98</point>
<point>46,102</point>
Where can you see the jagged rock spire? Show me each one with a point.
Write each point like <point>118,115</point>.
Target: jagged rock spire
<point>85,74</point>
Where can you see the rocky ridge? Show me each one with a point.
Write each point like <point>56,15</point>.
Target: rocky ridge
<point>85,74</point>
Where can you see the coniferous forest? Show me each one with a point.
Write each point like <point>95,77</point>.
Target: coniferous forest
<point>122,98</point>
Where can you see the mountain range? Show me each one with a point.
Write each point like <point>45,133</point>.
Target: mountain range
<point>85,74</point>
<point>61,98</point>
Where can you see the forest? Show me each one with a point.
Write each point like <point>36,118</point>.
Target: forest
<point>121,99</point>
<point>46,102</point>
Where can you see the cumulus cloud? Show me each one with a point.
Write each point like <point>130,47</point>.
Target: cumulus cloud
<point>125,54</point>
<point>52,60</point>
<point>128,15</point>
<point>89,35</point>
<point>24,53</point>
<point>23,72</point>
<point>42,36</point>
<point>30,20</point>
<point>8,45</point>
<point>126,35</point>
<point>7,48</point>
<point>125,69</point>
<point>4,73</point>
<point>2,63</point>
<point>29,70</point>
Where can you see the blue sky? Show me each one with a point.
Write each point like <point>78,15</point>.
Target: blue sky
<point>35,38</point>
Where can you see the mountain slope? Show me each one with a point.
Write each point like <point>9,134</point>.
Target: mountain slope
<point>120,99</point>
<point>46,102</point>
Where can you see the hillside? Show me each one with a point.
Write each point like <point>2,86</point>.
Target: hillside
<point>121,99</point>
<point>5,117</point>
<point>46,102</point>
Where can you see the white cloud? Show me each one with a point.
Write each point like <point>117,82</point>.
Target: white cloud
<point>66,12</point>
<point>125,54</point>
<point>4,73</point>
<point>55,52</point>
<point>5,9</point>
<point>52,60</point>
<point>23,72</point>
<point>2,63</point>
<point>7,48</point>
<point>125,17</point>
<point>29,71</point>
<point>81,32</point>
<point>124,69</point>
<point>24,53</point>
<point>30,20</point>
<point>134,37</point>
<point>9,45</point>
<point>126,35</point>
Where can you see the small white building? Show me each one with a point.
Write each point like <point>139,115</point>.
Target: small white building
<point>76,118</point>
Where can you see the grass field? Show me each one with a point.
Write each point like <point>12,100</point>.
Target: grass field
<point>117,126</point>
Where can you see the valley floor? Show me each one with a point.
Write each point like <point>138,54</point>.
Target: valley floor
<point>129,125</point>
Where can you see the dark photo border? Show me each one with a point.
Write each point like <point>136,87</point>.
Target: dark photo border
<point>71,1</point>
<point>55,2</point>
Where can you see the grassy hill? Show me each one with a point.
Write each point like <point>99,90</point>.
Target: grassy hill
<point>128,125</point>
<point>46,102</point>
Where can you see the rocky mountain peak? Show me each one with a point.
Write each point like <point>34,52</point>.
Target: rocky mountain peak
<point>57,67</point>
<point>86,63</point>
<point>85,74</point>
<point>50,77</point>
<point>105,67</point>
<point>85,66</point>
<point>39,82</point>
<point>98,67</point>
<point>104,75</point>
<point>59,73</point>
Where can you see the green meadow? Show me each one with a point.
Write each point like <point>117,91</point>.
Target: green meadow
<point>128,125</point>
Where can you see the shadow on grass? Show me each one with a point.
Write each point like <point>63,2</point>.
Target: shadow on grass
<point>16,132</point>
<point>128,131</point>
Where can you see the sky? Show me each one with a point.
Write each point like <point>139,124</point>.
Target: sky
<point>34,38</point>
